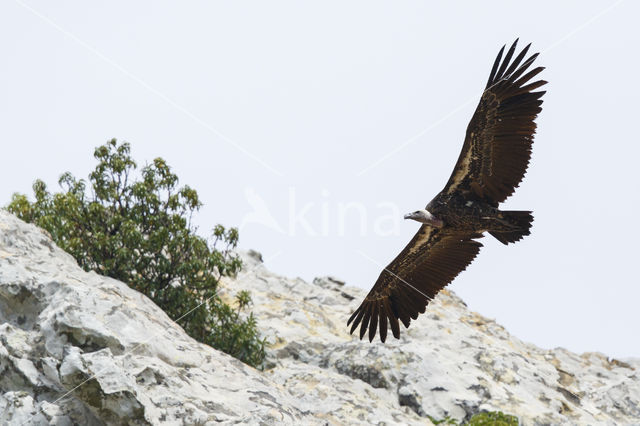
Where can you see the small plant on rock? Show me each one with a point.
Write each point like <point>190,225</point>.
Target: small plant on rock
<point>493,418</point>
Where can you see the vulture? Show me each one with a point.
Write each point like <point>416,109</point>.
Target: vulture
<point>493,161</point>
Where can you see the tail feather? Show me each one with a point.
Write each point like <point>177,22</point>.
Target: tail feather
<point>520,221</point>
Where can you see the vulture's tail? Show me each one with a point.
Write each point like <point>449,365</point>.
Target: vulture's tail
<point>519,223</point>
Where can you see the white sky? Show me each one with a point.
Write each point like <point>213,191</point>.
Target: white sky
<point>286,103</point>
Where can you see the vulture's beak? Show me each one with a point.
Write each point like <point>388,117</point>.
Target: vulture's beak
<point>408,216</point>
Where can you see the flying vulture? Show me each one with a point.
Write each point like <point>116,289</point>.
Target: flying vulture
<point>493,161</point>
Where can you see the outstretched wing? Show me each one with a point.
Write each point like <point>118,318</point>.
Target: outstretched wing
<point>497,147</point>
<point>431,260</point>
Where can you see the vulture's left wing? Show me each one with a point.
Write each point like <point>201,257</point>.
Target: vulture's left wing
<point>497,147</point>
<point>431,260</point>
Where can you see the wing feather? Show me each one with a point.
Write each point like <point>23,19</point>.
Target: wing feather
<point>373,322</point>
<point>516,62</point>
<point>496,63</point>
<point>382,321</point>
<point>497,147</point>
<point>393,316</point>
<point>356,318</point>
<point>507,59</point>
<point>365,320</point>
<point>431,260</point>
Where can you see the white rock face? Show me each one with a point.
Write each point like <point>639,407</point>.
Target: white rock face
<point>79,348</point>
<point>451,362</point>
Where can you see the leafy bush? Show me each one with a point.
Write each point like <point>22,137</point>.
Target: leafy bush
<point>448,420</point>
<point>493,418</point>
<point>138,230</point>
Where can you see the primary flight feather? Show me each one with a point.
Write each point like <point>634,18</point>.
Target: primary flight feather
<point>493,161</point>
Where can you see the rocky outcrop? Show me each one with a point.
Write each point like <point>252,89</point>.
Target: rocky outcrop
<point>79,348</point>
<point>452,362</point>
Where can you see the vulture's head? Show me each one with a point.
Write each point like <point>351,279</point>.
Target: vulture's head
<point>424,216</point>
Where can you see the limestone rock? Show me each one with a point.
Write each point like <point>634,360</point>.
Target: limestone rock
<point>79,348</point>
<point>451,362</point>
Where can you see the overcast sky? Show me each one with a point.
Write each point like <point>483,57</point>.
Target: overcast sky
<point>315,127</point>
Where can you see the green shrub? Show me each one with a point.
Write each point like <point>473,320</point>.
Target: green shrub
<point>138,229</point>
<point>448,420</point>
<point>493,418</point>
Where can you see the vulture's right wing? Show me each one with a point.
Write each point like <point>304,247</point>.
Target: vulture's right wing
<point>431,260</point>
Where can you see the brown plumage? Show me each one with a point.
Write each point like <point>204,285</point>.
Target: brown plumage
<point>493,161</point>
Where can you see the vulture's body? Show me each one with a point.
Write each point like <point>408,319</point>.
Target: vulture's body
<point>493,161</point>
